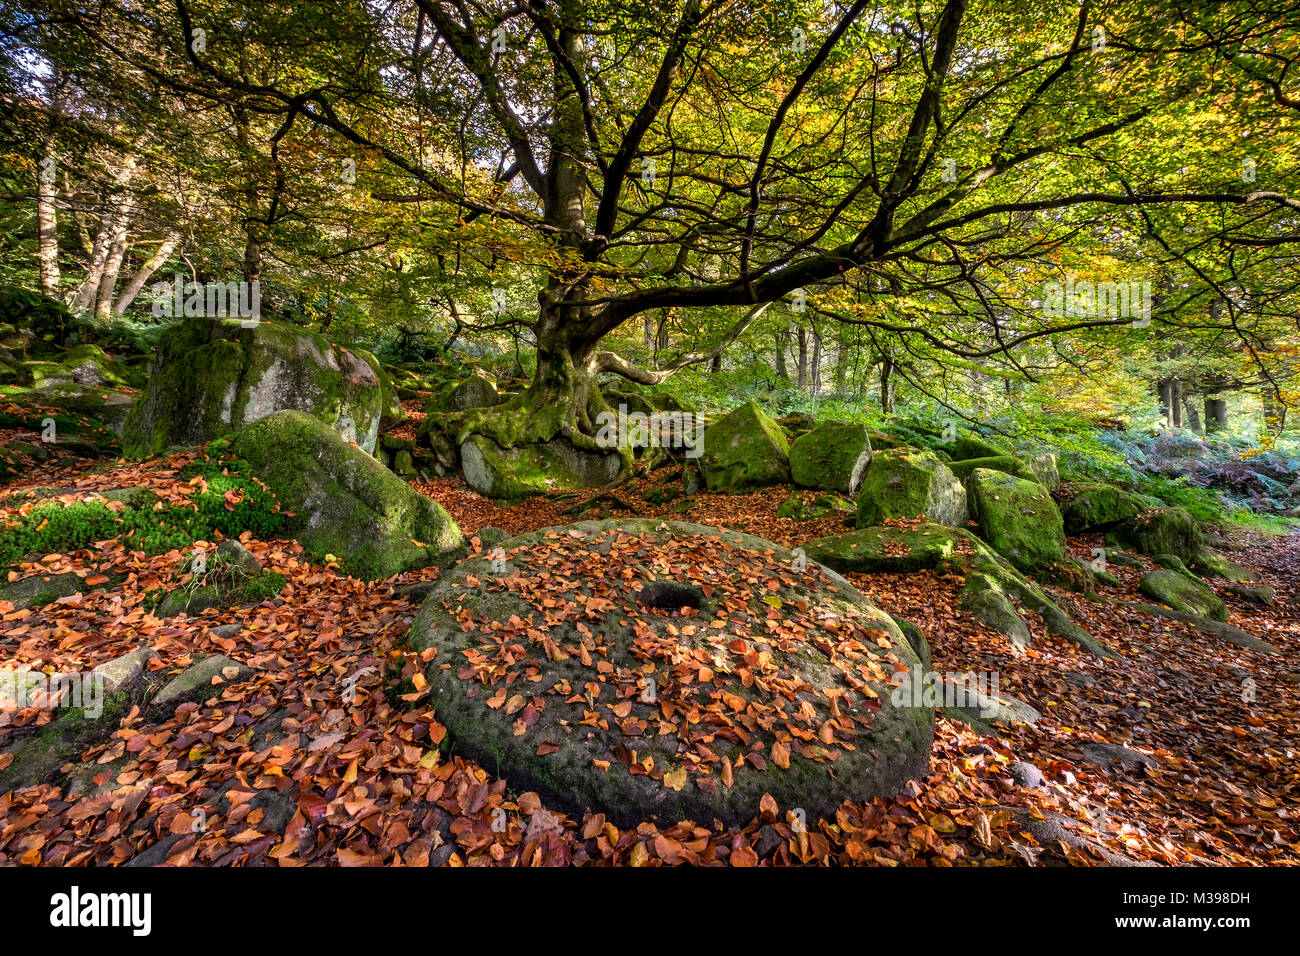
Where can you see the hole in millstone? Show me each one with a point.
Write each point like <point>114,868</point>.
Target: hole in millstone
<point>669,596</point>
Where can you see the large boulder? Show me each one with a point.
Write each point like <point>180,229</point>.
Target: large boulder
<point>1043,465</point>
<point>905,483</point>
<point>1163,531</point>
<point>534,469</point>
<point>1005,463</point>
<point>211,377</point>
<point>477,390</point>
<point>686,687</point>
<point>1183,592</point>
<point>1018,518</point>
<point>91,365</point>
<point>743,450</point>
<point>1097,506</point>
<point>889,549</point>
<point>345,502</point>
<point>967,446</point>
<point>992,586</point>
<point>108,407</point>
<point>832,455</point>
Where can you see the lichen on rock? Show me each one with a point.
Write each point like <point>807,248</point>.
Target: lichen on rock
<point>210,377</point>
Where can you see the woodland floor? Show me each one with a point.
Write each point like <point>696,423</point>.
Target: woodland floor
<point>365,783</point>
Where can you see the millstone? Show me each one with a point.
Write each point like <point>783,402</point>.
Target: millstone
<point>643,669</point>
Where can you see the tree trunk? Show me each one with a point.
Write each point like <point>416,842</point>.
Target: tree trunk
<point>802,338</point>
<point>152,265</point>
<point>84,297</point>
<point>781,369</point>
<point>112,267</point>
<point>1216,414</point>
<point>47,232</point>
<point>1193,417</point>
<point>887,399</point>
<point>1274,410</point>
<point>816,370</point>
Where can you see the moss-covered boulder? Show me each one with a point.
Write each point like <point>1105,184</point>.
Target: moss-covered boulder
<point>534,469</point>
<point>1003,463</point>
<point>1209,563</point>
<point>673,688</point>
<point>831,455</point>
<point>743,450</point>
<point>967,446</point>
<point>887,549</point>
<point>1017,517</point>
<point>45,374</point>
<point>477,390</point>
<point>1183,592</point>
<point>805,508</point>
<point>1044,466</point>
<point>37,315</point>
<point>905,483</point>
<point>345,502</point>
<point>1096,506</point>
<point>984,597</point>
<point>1163,531</point>
<point>211,377</point>
<point>39,590</point>
<point>91,365</point>
<point>992,587</point>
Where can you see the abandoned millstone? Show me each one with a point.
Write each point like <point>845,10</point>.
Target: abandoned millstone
<point>653,682</point>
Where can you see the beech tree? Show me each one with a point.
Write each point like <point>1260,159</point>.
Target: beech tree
<point>916,168</point>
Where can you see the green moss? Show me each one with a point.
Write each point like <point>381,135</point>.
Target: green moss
<point>1163,531</point>
<point>831,455</point>
<point>146,526</point>
<point>886,549</point>
<point>1183,592</point>
<point>1096,506</point>
<point>746,449</point>
<point>1004,463</point>
<point>1018,518</point>
<point>345,502</point>
<point>967,446</point>
<point>907,482</point>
